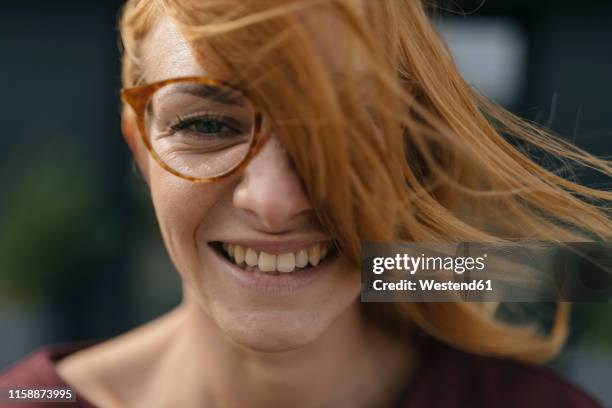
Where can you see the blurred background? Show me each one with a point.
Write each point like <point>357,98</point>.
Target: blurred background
<point>80,253</point>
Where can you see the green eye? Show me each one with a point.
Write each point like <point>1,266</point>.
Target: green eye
<point>209,126</point>
<point>205,125</point>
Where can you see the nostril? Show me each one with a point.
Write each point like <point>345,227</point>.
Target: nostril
<point>272,210</point>
<point>270,191</point>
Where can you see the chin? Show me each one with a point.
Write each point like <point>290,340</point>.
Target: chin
<point>274,332</point>
<point>276,323</point>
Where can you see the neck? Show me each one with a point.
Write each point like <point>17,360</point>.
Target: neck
<point>351,363</point>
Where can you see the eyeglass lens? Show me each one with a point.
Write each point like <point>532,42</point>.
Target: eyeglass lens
<point>200,130</point>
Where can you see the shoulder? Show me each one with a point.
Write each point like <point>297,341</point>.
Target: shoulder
<point>38,367</point>
<point>109,373</point>
<point>37,371</point>
<point>462,379</point>
<point>32,369</point>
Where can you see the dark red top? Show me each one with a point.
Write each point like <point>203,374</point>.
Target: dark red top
<point>448,379</point>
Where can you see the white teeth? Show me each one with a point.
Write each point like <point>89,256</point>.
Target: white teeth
<point>285,262</point>
<point>267,262</point>
<point>301,258</point>
<point>314,255</point>
<point>239,254</point>
<point>251,257</point>
<point>264,262</point>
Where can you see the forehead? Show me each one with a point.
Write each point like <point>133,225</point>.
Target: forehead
<point>167,54</point>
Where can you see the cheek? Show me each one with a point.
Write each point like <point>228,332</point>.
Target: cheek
<point>181,207</point>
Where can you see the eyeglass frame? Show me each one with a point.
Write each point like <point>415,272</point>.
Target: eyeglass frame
<point>138,98</point>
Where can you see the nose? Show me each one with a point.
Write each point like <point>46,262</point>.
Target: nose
<point>270,190</point>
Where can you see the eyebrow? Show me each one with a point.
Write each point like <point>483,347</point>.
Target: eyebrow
<point>232,97</point>
<point>225,95</point>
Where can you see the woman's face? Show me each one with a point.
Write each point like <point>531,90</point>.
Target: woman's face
<point>262,217</point>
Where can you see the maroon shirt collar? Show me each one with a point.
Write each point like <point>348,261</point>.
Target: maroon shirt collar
<point>37,370</point>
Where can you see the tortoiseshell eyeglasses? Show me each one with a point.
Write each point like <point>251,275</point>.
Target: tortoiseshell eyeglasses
<point>197,128</point>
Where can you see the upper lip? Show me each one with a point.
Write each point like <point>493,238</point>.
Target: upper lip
<point>278,246</point>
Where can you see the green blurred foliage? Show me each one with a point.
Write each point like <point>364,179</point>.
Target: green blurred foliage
<point>52,221</point>
<point>593,322</point>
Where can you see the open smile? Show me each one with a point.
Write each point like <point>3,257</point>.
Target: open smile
<point>254,260</point>
<point>275,272</point>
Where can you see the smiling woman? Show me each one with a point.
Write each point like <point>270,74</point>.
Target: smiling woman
<point>275,136</point>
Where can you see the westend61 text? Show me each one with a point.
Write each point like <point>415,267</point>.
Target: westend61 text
<point>433,285</point>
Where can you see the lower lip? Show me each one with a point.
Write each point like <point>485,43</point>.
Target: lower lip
<point>279,284</point>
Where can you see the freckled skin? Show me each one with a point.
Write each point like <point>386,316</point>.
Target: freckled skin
<point>309,348</point>
<point>265,200</point>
